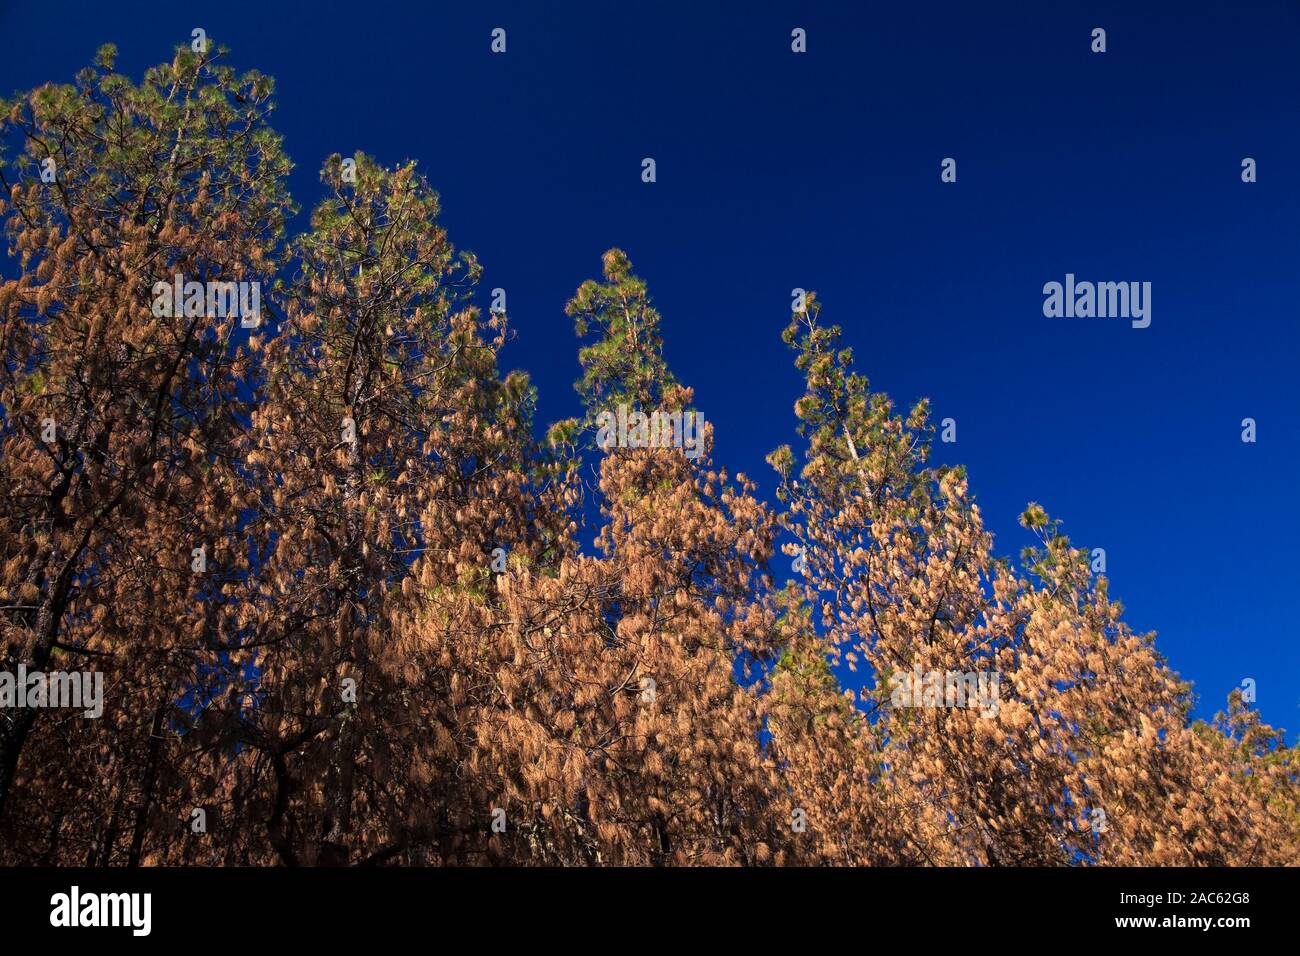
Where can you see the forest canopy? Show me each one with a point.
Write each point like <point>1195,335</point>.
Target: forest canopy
<point>349,603</point>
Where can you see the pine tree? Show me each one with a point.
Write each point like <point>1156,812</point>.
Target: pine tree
<point>118,414</point>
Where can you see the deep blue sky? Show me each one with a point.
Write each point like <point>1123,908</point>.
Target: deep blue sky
<point>821,170</point>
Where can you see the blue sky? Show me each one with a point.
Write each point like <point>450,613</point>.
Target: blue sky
<point>821,170</point>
